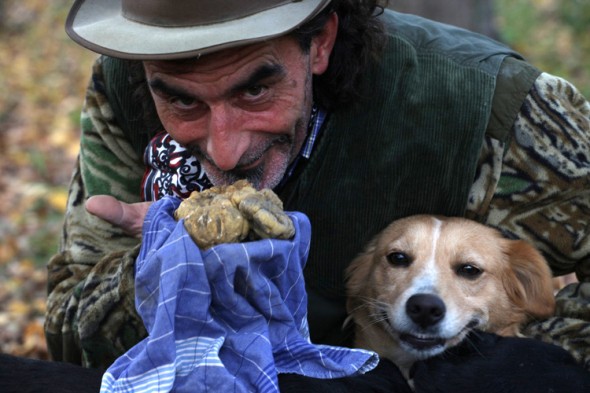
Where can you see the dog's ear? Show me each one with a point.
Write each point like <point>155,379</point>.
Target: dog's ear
<point>529,282</point>
<point>357,276</point>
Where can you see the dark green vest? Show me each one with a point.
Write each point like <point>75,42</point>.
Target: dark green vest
<point>409,145</point>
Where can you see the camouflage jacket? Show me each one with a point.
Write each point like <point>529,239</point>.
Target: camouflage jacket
<point>535,186</point>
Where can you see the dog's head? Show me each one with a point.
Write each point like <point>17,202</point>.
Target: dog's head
<point>424,282</point>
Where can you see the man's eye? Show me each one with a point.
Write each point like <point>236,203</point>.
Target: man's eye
<point>255,91</point>
<point>183,102</point>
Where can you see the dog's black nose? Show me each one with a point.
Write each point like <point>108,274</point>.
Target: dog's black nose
<point>425,309</point>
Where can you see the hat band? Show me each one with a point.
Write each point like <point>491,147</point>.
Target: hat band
<point>183,13</point>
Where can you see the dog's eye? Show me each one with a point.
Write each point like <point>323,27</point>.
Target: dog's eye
<point>469,271</point>
<point>399,259</point>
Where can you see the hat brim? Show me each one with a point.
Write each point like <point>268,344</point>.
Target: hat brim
<point>100,26</point>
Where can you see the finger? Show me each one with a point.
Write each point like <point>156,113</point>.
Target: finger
<point>128,217</point>
<point>106,207</point>
<point>133,217</point>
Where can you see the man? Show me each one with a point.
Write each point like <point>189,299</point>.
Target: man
<point>353,116</point>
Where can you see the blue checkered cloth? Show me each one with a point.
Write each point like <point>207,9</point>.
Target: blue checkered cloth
<point>227,319</point>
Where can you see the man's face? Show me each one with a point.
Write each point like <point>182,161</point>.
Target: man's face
<point>242,112</point>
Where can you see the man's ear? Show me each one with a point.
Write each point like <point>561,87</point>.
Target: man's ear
<point>322,45</point>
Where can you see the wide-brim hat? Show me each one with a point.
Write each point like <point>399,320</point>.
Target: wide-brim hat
<point>173,29</point>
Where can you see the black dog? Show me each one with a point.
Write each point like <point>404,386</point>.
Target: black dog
<point>487,363</point>
<point>22,375</point>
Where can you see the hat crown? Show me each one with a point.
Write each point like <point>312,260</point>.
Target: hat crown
<point>183,13</point>
<point>176,29</point>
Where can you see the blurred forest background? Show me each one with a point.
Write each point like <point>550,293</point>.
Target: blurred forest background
<point>43,76</point>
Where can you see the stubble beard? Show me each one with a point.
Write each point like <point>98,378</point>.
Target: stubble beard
<point>268,174</point>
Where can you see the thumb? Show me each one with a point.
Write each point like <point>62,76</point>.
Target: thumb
<point>127,216</point>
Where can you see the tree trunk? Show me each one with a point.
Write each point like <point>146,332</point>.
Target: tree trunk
<point>475,15</point>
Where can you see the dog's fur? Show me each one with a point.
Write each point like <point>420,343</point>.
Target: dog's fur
<point>425,282</point>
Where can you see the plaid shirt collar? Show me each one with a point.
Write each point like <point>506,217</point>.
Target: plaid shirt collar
<point>316,120</point>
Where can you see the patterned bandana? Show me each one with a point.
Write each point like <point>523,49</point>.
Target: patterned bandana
<point>172,170</point>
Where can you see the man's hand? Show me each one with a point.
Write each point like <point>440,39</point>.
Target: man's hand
<point>127,216</point>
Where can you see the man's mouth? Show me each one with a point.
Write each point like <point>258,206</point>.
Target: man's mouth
<point>245,168</point>
<point>247,163</point>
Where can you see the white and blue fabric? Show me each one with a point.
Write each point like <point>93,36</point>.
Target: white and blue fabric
<point>227,319</point>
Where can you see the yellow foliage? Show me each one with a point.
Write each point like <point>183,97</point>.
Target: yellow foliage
<point>58,199</point>
<point>19,307</point>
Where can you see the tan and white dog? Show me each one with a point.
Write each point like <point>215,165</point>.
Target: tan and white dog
<point>425,282</point>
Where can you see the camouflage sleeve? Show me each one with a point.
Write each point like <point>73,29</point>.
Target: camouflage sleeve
<point>91,317</point>
<point>543,189</point>
<point>536,186</point>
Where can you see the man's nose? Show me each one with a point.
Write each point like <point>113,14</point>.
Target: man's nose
<point>226,140</point>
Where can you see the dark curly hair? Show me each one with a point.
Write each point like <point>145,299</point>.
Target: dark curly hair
<point>360,39</point>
